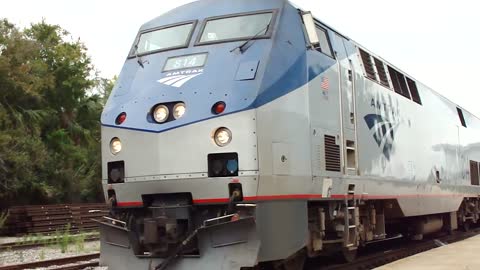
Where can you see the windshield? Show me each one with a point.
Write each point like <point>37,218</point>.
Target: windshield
<point>236,28</point>
<point>163,39</point>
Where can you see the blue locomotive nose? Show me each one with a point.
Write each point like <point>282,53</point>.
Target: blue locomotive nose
<point>199,89</point>
<point>198,66</point>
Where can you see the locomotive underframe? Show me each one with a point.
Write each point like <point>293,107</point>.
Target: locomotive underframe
<point>157,230</point>
<point>170,226</point>
<point>377,220</point>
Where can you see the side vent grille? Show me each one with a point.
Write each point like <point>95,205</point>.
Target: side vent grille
<point>368,64</point>
<point>414,91</point>
<point>474,173</point>
<point>399,83</point>
<point>382,74</point>
<point>332,154</point>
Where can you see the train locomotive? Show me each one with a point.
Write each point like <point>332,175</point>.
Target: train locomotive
<point>243,134</point>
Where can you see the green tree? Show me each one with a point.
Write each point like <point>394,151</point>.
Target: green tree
<point>49,119</point>
<point>105,87</point>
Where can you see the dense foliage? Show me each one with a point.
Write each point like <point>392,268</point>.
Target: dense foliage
<point>49,117</point>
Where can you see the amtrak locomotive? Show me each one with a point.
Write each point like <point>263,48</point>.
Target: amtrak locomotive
<point>248,133</point>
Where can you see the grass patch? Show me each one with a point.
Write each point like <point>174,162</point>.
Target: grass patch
<point>60,239</point>
<point>65,239</point>
<point>80,242</point>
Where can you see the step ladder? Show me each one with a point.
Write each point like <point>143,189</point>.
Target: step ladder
<point>351,158</point>
<point>352,219</point>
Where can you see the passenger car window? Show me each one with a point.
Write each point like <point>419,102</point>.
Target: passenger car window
<point>324,42</point>
<point>237,27</point>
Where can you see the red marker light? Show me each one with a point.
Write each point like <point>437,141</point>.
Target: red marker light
<point>121,118</point>
<point>219,107</point>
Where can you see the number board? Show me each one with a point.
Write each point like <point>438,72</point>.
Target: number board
<point>185,62</point>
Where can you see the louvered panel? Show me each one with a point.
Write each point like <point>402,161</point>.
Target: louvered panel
<point>399,83</point>
<point>368,64</point>
<point>412,85</point>
<point>382,74</point>
<point>474,172</point>
<point>332,154</point>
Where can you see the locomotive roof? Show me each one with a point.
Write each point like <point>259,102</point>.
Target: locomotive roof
<point>388,63</point>
<point>193,11</point>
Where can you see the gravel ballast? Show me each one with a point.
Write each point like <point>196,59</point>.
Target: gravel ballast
<point>8,257</point>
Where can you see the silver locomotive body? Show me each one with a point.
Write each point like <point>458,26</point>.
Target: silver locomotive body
<point>320,145</point>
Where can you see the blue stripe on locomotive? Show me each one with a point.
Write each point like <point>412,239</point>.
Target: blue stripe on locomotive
<point>285,65</point>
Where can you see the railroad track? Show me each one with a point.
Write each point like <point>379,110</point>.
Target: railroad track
<point>369,260</point>
<point>68,263</point>
<point>373,259</point>
<point>20,245</point>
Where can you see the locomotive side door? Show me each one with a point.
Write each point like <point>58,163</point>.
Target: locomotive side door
<point>324,107</point>
<point>332,104</point>
<point>345,54</point>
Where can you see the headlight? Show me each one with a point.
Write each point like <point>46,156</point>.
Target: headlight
<point>222,136</point>
<point>179,110</point>
<point>160,113</point>
<point>115,146</point>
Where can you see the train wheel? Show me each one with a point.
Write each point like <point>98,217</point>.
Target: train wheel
<point>133,236</point>
<point>349,255</point>
<point>466,226</point>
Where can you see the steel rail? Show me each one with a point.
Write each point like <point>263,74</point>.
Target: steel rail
<point>49,241</point>
<point>85,259</point>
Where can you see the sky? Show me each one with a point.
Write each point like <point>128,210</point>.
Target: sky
<point>437,42</point>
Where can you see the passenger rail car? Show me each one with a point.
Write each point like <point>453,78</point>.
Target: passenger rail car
<point>246,133</point>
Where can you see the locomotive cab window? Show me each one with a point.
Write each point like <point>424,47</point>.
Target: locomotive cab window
<point>236,27</point>
<point>163,38</point>
<point>324,45</point>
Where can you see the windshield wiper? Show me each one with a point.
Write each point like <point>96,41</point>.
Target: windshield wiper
<point>241,47</point>
<point>139,58</point>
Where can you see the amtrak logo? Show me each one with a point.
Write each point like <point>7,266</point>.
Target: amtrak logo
<point>179,78</point>
<point>383,132</point>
